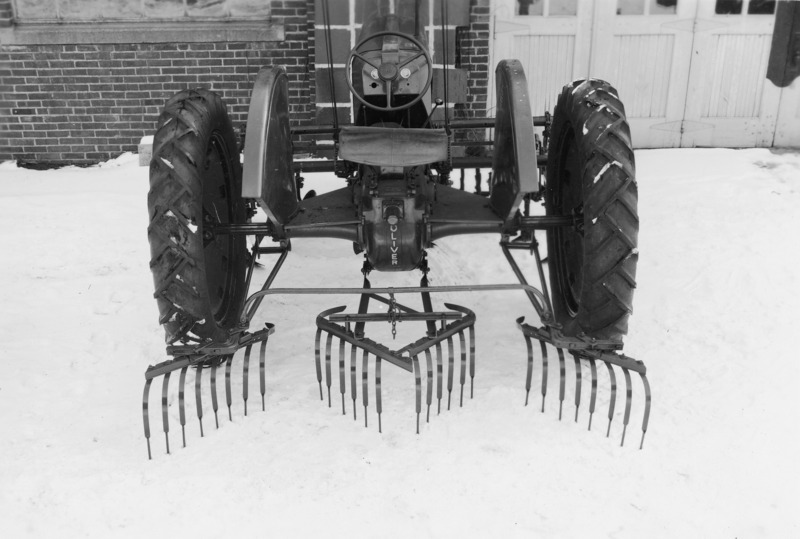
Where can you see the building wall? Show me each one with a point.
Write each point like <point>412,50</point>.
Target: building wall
<point>84,102</point>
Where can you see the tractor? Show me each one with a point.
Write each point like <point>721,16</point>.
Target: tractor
<point>397,199</point>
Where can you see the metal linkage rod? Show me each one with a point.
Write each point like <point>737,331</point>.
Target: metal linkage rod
<point>329,50</point>
<point>539,300</point>
<point>479,162</point>
<point>396,290</point>
<point>254,301</point>
<point>464,123</point>
<point>385,317</point>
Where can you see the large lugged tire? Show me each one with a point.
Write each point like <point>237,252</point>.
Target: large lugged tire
<point>591,173</point>
<point>195,181</point>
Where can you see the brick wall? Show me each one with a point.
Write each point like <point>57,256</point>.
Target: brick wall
<point>85,103</point>
<point>473,49</point>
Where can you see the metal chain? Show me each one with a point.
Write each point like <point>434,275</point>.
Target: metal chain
<point>393,314</point>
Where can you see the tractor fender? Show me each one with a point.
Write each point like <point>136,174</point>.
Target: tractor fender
<point>267,174</point>
<point>515,171</point>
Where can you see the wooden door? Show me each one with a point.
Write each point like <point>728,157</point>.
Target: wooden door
<point>643,48</point>
<point>730,102</point>
<point>551,38</point>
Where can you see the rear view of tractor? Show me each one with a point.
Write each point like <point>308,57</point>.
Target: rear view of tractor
<point>395,201</point>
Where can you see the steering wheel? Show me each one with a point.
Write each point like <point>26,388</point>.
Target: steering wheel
<point>388,72</point>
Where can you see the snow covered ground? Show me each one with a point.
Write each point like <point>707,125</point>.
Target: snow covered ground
<point>717,304</point>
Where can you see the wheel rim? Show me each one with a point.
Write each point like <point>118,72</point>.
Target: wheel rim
<point>568,201</point>
<point>219,208</point>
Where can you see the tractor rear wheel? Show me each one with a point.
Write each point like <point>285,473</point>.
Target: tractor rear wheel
<point>591,176</point>
<point>195,183</point>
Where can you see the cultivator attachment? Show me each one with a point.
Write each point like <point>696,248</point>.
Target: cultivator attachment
<point>443,327</point>
<point>591,352</point>
<point>200,358</point>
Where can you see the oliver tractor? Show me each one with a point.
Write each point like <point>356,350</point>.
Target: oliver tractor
<point>396,200</point>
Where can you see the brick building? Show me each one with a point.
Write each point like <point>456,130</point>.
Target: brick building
<point>82,86</point>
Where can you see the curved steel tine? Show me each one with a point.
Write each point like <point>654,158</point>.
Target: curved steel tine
<point>429,395</point>
<point>365,384</point>
<point>317,360</point>
<point>544,372</point>
<point>628,398</point>
<point>450,369</point>
<point>181,403</point>
<point>439,377</point>
<point>471,361</point>
<point>463,342</point>
<point>593,399</point>
<point>353,388</point>
<point>378,403</point>
<point>341,372</point>
<point>613,402</point>
<point>262,358</point>
<point>418,386</point>
<point>164,414</point>
<point>214,404</point>
<point>146,415</point>
<point>562,382</point>
<point>529,374</point>
<point>198,395</point>
<point>578,380</point>
<point>228,365</point>
<point>647,400</point>
<point>328,345</point>
<point>246,376</point>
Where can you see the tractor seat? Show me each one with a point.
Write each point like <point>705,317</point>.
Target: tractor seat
<point>392,147</point>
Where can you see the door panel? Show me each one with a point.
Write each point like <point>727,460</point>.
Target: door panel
<point>551,38</point>
<point>690,72</point>
<point>643,48</point>
<point>730,101</point>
